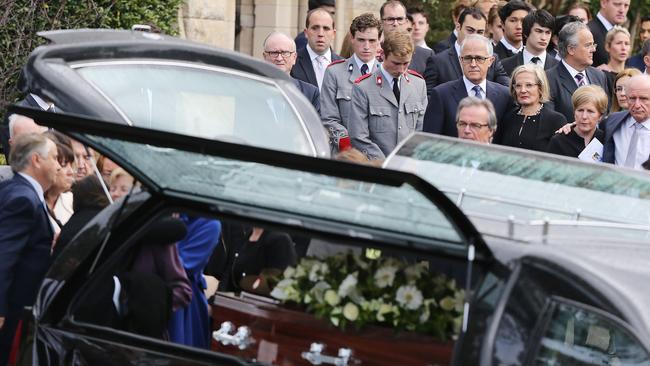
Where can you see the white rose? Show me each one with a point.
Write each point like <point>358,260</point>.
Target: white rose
<point>351,311</point>
<point>284,289</point>
<point>382,311</point>
<point>385,276</point>
<point>289,272</point>
<point>348,285</point>
<point>332,298</point>
<point>409,297</point>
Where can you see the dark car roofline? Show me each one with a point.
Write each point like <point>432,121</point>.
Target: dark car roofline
<point>79,125</point>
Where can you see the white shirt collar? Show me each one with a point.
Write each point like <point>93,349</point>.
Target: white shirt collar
<point>528,56</point>
<point>631,121</point>
<point>509,46</point>
<point>457,48</point>
<point>313,55</point>
<point>41,103</point>
<point>360,63</point>
<point>605,22</point>
<point>389,77</point>
<point>469,85</point>
<point>423,44</point>
<point>573,71</point>
<point>35,184</point>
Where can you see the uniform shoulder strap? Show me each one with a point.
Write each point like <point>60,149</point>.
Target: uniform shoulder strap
<point>336,62</point>
<point>362,77</point>
<point>415,73</point>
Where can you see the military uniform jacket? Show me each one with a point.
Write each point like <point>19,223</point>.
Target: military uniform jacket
<point>336,93</point>
<point>377,121</point>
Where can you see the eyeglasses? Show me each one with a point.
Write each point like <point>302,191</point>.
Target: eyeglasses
<point>472,126</point>
<point>525,86</point>
<point>284,54</point>
<point>398,20</point>
<point>590,46</point>
<point>479,59</point>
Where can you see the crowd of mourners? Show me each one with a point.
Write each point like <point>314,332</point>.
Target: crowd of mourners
<point>508,74</point>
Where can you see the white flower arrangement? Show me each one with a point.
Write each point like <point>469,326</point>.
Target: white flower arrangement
<point>348,289</point>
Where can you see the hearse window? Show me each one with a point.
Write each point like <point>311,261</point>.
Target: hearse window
<point>579,336</point>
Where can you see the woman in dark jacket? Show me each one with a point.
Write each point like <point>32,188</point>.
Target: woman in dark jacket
<point>589,106</point>
<point>532,125</point>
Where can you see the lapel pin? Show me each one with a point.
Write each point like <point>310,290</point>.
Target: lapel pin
<point>379,80</point>
<point>350,67</point>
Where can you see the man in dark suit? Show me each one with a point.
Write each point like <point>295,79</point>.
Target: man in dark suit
<point>644,35</point>
<point>393,16</point>
<point>26,235</point>
<point>327,5</point>
<point>476,55</point>
<point>455,13</point>
<point>31,101</point>
<point>512,15</point>
<point>538,28</point>
<point>446,65</point>
<point>627,133</point>
<point>317,55</point>
<point>611,13</point>
<point>576,46</point>
<point>280,50</point>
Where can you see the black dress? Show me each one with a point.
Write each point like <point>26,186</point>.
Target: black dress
<point>571,144</point>
<point>532,132</point>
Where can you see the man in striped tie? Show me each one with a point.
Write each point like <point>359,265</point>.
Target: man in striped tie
<point>336,92</point>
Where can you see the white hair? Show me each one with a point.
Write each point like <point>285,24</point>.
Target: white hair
<point>480,38</point>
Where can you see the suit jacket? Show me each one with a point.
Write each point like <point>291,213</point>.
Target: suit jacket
<point>301,41</point>
<point>25,241</point>
<point>440,116</point>
<point>511,63</point>
<point>310,92</point>
<point>636,61</point>
<point>378,122</point>
<point>445,43</point>
<point>422,57</point>
<point>30,102</point>
<point>502,51</point>
<point>562,87</point>
<point>304,70</point>
<point>599,32</point>
<point>446,67</point>
<point>514,132</point>
<point>613,122</point>
<point>336,94</point>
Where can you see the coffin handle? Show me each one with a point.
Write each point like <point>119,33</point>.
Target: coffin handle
<point>240,339</point>
<point>315,356</point>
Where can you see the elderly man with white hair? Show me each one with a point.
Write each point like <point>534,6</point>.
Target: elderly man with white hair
<point>26,235</point>
<point>18,125</point>
<point>476,120</point>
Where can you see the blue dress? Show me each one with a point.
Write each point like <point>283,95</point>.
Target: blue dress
<point>191,325</point>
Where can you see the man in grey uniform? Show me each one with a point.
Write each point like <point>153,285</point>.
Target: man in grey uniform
<point>340,75</point>
<point>388,104</point>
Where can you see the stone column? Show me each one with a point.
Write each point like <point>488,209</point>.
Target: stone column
<point>274,15</point>
<point>209,21</point>
<point>346,10</point>
<point>244,40</point>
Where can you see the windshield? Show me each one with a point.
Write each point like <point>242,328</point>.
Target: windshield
<point>201,101</point>
<point>505,189</point>
<point>292,196</point>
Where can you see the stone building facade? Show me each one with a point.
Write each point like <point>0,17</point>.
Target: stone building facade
<point>242,25</point>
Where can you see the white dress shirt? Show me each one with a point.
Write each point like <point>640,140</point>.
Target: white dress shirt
<point>41,103</point>
<point>319,70</point>
<point>528,56</point>
<point>469,86</point>
<point>605,22</point>
<point>389,78</point>
<point>512,48</point>
<point>575,72</point>
<point>360,63</point>
<point>622,138</point>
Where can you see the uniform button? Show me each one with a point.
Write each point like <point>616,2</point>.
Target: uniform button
<point>399,112</point>
<point>347,98</point>
<point>399,127</point>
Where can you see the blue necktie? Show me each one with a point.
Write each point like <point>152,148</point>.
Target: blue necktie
<point>477,92</point>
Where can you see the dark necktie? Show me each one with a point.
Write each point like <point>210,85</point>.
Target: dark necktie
<point>477,92</point>
<point>580,78</point>
<point>364,69</point>
<point>535,60</point>
<point>396,88</point>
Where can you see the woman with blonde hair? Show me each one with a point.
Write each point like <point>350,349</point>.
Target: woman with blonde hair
<point>589,106</point>
<point>532,125</point>
<point>617,45</point>
<point>619,99</point>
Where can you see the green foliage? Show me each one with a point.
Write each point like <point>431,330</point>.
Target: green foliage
<point>440,20</point>
<point>20,20</point>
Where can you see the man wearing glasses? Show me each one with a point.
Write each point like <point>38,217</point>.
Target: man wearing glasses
<point>393,16</point>
<point>576,47</point>
<point>476,58</point>
<point>476,120</point>
<point>280,50</point>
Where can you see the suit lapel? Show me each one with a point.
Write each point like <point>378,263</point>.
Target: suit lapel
<point>459,91</point>
<point>405,88</point>
<point>455,62</point>
<point>593,77</point>
<point>307,67</point>
<point>386,91</point>
<point>568,82</point>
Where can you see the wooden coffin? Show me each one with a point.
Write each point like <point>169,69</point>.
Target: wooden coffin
<point>282,335</point>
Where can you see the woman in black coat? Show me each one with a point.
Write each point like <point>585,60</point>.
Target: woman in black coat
<point>589,106</point>
<point>532,125</point>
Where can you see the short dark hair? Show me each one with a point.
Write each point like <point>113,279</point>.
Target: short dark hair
<point>579,5</point>
<point>562,20</point>
<point>390,3</point>
<point>363,22</point>
<point>645,18</point>
<point>418,10</point>
<point>541,17</point>
<point>475,13</point>
<point>88,192</point>
<point>511,7</point>
<point>63,146</point>
<point>309,13</point>
<point>645,49</point>
<point>315,4</point>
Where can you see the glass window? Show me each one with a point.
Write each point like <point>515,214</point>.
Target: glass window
<point>356,205</point>
<point>200,101</point>
<point>498,182</point>
<point>577,336</point>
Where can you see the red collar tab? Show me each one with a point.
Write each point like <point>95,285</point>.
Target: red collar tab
<point>414,73</point>
<point>379,79</point>
<point>363,77</point>
<point>336,62</point>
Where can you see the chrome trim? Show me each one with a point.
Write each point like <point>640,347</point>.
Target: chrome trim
<point>220,69</point>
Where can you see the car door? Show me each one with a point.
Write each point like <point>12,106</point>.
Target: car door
<point>283,189</point>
